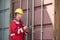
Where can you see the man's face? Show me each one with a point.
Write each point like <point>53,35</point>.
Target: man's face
<point>20,16</point>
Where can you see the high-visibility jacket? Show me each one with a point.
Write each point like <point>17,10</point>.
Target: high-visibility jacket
<point>17,30</point>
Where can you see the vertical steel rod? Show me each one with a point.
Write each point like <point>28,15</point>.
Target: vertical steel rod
<point>42,1</point>
<point>32,19</point>
<point>20,3</point>
<point>27,14</point>
<point>27,19</point>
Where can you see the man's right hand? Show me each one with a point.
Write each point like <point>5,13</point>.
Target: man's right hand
<point>25,27</point>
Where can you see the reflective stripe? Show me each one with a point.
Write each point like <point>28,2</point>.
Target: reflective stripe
<point>20,30</point>
<point>16,22</point>
<point>12,34</point>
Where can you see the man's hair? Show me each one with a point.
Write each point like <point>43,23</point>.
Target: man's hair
<point>16,13</point>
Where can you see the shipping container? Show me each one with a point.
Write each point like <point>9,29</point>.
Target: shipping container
<point>32,10</point>
<point>39,14</point>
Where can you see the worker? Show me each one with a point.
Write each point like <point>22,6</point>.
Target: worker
<point>17,28</point>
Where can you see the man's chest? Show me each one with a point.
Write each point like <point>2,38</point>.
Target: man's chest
<point>19,25</point>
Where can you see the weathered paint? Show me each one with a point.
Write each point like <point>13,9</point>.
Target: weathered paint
<point>48,17</point>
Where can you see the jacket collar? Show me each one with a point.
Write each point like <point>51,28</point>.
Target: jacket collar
<point>16,21</point>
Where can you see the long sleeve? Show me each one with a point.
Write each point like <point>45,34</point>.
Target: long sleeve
<point>13,28</point>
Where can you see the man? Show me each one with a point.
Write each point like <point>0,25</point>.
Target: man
<point>17,28</point>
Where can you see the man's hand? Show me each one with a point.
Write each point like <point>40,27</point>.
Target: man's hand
<point>25,27</point>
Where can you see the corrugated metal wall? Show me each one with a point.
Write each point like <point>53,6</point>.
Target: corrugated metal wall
<point>48,18</point>
<point>4,19</point>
